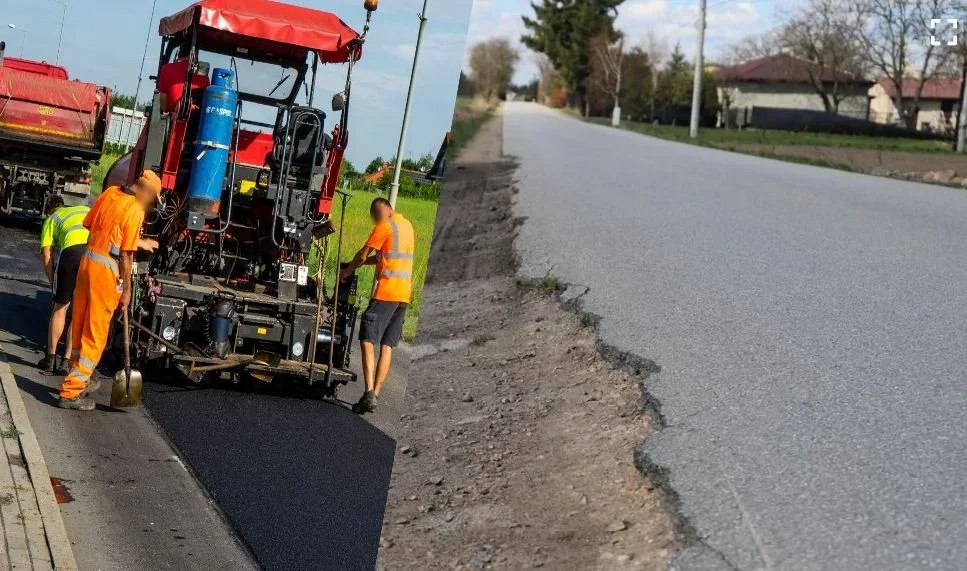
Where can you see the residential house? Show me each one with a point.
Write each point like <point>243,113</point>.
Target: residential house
<point>939,102</point>
<point>788,82</point>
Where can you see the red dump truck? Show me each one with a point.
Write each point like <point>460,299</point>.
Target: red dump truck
<point>51,133</point>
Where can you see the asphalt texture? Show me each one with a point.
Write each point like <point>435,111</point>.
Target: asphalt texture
<point>287,482</point>
<point>810,325</point>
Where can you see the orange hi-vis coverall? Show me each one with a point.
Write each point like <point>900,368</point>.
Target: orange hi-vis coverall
<point>115,226</point>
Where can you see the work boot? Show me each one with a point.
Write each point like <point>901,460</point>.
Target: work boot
<point>47,363</point>
<point>82,402</point>
<point>62,365</point>
<point>92,385</point>
<point>366,404</point>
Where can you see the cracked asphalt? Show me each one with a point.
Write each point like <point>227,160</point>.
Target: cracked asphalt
<point>810,326</point>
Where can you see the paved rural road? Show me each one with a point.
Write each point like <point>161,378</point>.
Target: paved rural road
<point>302,483</point>
<point>811,327</point>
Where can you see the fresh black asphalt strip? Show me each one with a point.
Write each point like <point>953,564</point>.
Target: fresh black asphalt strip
<point>304,482</point>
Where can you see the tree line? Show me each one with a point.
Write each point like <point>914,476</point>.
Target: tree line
<point>349,174</point>
<point>584,62</point>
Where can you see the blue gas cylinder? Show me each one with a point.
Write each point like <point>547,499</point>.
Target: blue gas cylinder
<point>215,128</point>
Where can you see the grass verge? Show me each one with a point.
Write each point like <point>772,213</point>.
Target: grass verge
<point>422,213</point>
<point>99,171</point>
<point>725,137</point>
<point>468,116</point>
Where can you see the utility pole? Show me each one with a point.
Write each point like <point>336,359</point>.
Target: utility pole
<point>395,189</point>
<point>961,118</point>
<point>699,70</point>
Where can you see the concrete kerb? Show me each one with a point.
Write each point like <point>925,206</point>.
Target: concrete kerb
<point>60,547</point>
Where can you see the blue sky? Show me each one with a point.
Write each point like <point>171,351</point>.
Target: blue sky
<point>668,20</point>
<point>104,42</point>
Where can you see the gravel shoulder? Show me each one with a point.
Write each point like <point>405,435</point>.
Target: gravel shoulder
<point>518,436</point>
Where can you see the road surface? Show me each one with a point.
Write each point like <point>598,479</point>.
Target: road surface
<point>283,482</point>
<point>810,326</point>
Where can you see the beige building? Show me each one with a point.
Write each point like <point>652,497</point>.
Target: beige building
<point>939,102</point>
<point>788,82</point>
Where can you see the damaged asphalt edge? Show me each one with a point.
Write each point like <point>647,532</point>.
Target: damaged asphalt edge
<point>640,368</point>
<point>62,556</point>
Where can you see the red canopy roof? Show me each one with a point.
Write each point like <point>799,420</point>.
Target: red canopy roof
<point>321,32</point>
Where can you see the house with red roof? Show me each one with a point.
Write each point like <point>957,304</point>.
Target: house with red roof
<point>787,82</point>
<point>939,102</point>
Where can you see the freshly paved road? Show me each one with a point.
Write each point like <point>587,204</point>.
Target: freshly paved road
<point>302,482</point>
<point>811,327</point>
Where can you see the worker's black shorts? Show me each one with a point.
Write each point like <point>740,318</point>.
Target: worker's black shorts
<point>67,264</point>
<point>382,323</point>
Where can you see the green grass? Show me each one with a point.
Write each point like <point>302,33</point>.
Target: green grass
<point>99,171</point>
<point>727,137</point>
<point>11,432</point>
<point>422,213</point>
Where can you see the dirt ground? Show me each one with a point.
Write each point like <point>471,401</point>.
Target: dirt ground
<point>865,160</point>
<point>517,447</point>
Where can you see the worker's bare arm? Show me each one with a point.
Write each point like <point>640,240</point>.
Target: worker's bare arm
<point>127,262</point>
<point>47,254</point>
<point>147,245</point>
<point>371,261</point>
<point>362,257</point>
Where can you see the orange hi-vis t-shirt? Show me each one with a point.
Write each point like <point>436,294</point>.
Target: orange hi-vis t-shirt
<point>394,239</point>
<point>115,223</point>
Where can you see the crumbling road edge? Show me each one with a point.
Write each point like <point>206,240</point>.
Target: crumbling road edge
<point>60,547</point>
<point>649,405</point>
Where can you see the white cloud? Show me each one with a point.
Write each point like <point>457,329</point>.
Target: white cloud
<point>402,51</point>
<point>437,48</point>
<point>642,10</point>
<point>726,23</point>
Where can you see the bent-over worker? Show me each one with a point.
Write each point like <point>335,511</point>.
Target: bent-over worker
<point>390,247</point>
<point>104,280</point>
<point>63,231</point>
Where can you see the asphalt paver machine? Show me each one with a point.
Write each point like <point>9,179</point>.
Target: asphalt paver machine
<point>249,167</point>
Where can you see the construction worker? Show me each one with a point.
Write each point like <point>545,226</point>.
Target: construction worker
<point>63,231</point>
<point>104,280</point>
<point>390,248</point>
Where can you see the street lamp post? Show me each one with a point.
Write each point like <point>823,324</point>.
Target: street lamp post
<point>23,36</point>
<point>394,190</point>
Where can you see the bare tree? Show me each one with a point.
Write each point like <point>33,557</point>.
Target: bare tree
<point>492,66</point>
<point>895,36</point>
<point>548,76</point>
<point>822,34</point>
<point>656,48</point>
<point>609,57</point>
<point>754,47</point>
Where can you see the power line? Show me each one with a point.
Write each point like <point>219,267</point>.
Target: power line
<point>144,58</point>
